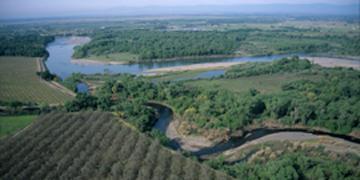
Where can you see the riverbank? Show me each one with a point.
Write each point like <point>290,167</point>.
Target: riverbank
<point>334,62</point>
<point>41,67</point>
<point>299,139</point>
<point>322,61</point>
<point>170,123</point>
<point>204,66</point>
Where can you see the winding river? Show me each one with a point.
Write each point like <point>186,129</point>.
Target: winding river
<point>166,116</point>
<point>59,63</point>
<point>61,50</point>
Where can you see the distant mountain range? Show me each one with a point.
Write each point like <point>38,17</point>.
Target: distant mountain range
<point>301,9</point>
<point>266,9</point>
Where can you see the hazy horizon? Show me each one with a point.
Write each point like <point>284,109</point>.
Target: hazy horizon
<point>41,8</point>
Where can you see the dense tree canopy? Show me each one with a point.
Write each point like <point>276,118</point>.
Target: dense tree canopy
<point>31,44</point>
<point>163,44</point>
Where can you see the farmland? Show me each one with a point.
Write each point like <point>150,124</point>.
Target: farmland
<point>19,82</point>
<point>92,145</point>
<point>11,124</point>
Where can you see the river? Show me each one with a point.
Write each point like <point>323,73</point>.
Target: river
<point>166,115</point>
<point>59,63</point>
<point>61,50</point>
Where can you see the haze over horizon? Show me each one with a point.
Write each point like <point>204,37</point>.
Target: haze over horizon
<point>44,8</point>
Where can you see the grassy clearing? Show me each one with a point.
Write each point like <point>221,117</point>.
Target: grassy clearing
<point>11,124</point>
<point>263,83</point>
<point>176,76</point>
<point>19,82</point>
<point>117,57</point>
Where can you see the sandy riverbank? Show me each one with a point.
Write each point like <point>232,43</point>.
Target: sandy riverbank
<point>194,67</point>
<point>334,62</point>
<point>188,143</point>
<point>330,144</point>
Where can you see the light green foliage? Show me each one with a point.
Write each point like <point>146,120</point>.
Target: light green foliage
<point>11,124</point>
<point>290,166</point>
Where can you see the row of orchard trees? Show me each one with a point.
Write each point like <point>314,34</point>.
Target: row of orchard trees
<point>90,145</point>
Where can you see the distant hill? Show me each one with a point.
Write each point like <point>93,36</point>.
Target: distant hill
<point>269,9</point>
<point>300,9</point>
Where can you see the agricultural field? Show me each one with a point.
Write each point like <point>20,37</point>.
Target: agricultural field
<point>19,82</point>
<point>92,145</point>
<point>10,124</point>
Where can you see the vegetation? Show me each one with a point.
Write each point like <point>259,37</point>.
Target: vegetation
<point>46,75</point>
<point>11,124</point>
<point>283,66</point>
<point>224,38</point>
<point>285,160</point>
<point>266,84</point>
<point>116,57</point>
<point>92,145</point>
<point>162,44</point>
<point>19,82</point>
<point>24,44</point>
<point>330,101</point>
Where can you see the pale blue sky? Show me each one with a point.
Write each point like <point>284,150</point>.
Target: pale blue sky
<point>23,8</point>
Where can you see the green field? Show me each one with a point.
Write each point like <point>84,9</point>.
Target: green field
<point>19,82</point>
<point>263,83</point>
<point>11,124</point>
<point>177,76</point>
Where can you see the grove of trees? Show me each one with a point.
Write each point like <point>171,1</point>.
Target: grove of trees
<point>24,44</point>
<point>150,44</point>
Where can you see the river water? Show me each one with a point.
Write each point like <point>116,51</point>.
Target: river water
<point>166,115</point>
<point>59,63</point>
<point>61,50</point>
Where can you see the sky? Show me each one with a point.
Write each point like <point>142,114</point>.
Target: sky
<point>33,8</point>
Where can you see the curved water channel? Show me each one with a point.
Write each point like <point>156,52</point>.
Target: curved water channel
<point>59,63</point>
<point>166,116</point>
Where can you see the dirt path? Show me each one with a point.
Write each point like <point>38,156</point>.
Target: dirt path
<point>334,62</point>
<point>55,85</point>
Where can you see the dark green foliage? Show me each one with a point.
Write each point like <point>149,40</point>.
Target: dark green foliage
<point>90,145</point>
<point>332,102</point>
<point>289,166</point>
<point>72,81</point>
<point>288,65</point>
<point>46,75</point>
<point>82,102</point>
<point>26,44</point>
<point>164,140</point>
<point>163,44</point>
